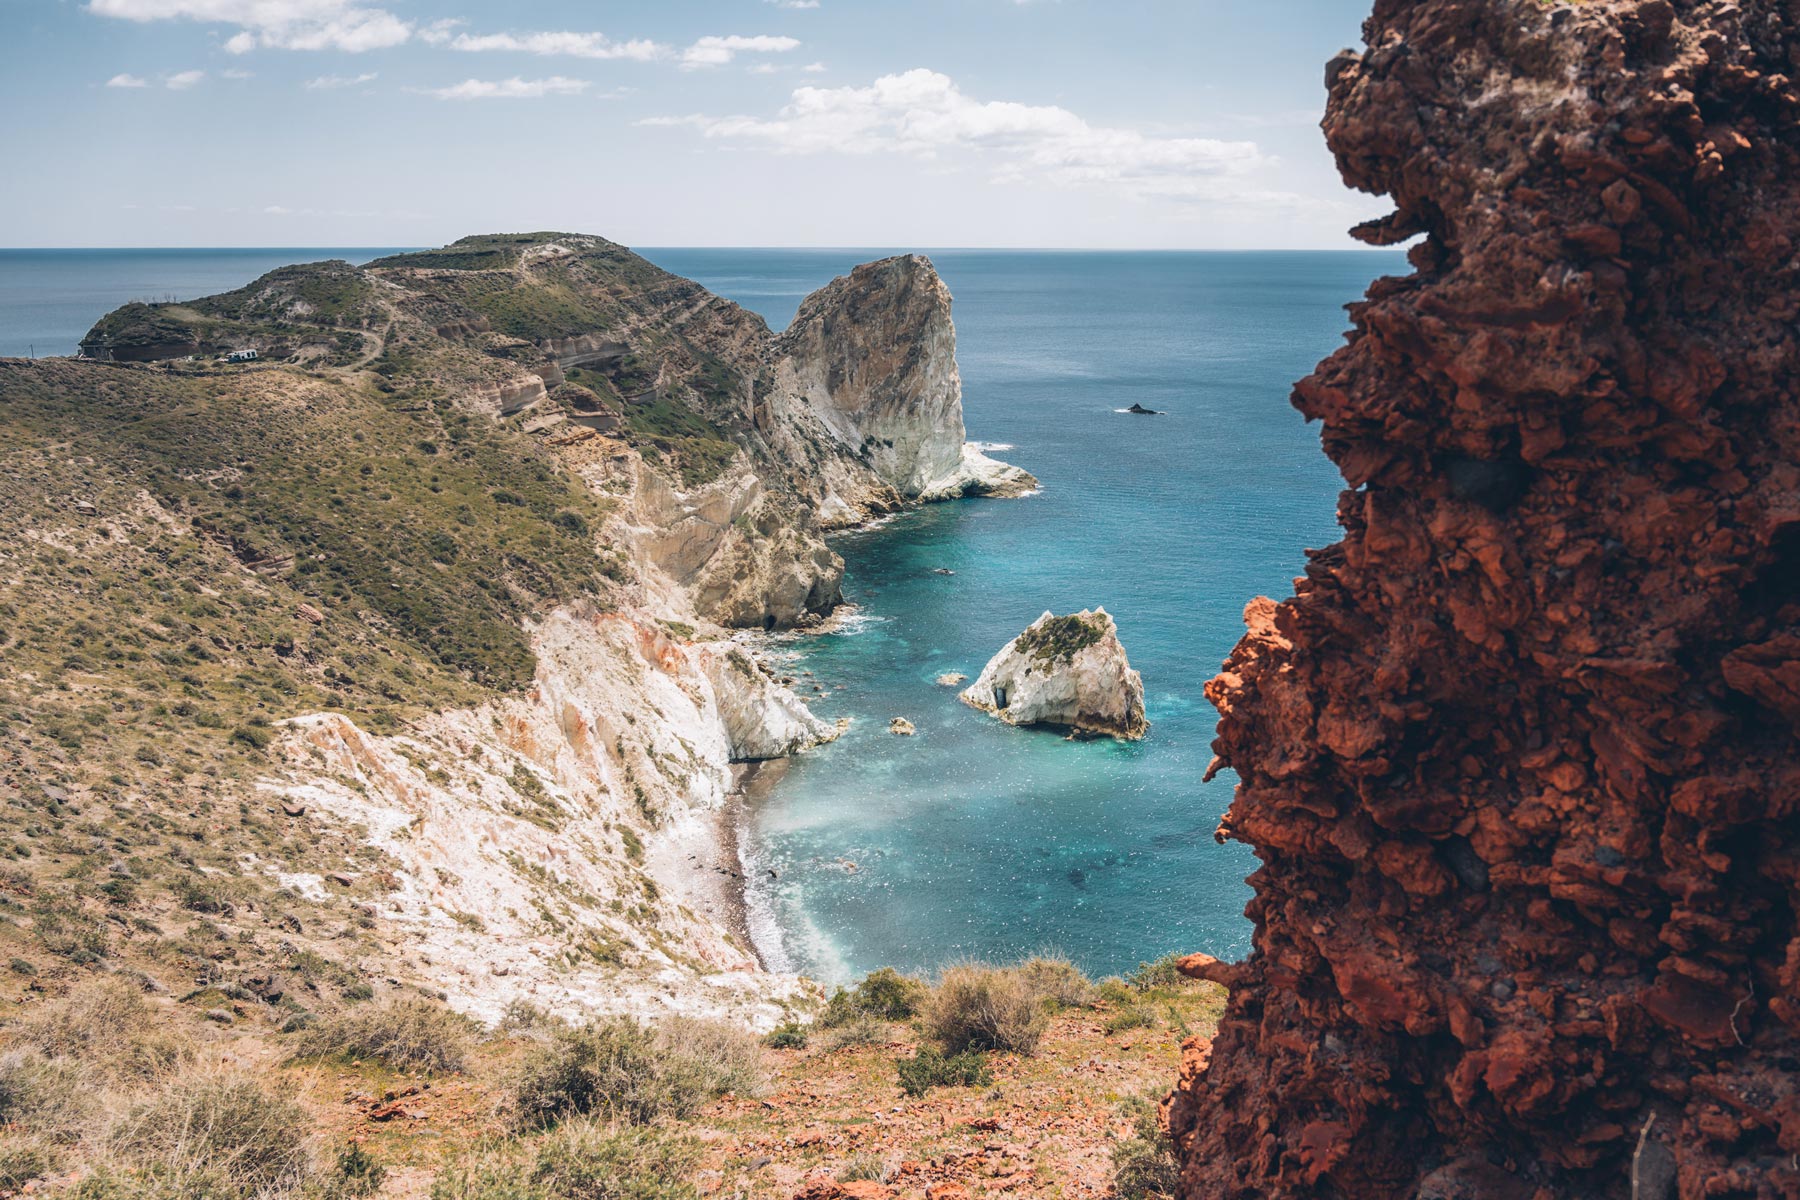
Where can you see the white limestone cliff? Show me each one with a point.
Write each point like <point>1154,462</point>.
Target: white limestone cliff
<point>563,847</point>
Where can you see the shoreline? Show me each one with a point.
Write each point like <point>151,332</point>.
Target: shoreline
<point>750,782</point>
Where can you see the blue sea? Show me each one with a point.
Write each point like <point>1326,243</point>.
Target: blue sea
<point>973,839</point>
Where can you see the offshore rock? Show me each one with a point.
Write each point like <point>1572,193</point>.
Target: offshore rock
<point>895,402</point>
<point>1519,756</point>
<point>1069,672</point>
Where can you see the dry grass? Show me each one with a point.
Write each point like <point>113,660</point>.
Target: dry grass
<point>581,1159</point>
<point>406,1035</point>
<point>980,1007</point>
<point>634,1073</point>
<point>106,1025</point>
<point>218,1132</point>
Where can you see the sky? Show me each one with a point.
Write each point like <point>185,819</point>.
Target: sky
<point>1169,124</point>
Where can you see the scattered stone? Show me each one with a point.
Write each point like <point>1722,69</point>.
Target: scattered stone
<point>219,1016</point>
<point>951,679</point>
<point>87,508</point>
<point>293,808</point>
<point>307,612</point>
<point>341,879</point>
<point>901,726</point>
<point>1141,411</point>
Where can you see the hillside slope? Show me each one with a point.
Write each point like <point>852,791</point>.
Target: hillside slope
<point>405,648</point>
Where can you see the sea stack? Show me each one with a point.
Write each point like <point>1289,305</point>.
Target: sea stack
<point>1069,672</point>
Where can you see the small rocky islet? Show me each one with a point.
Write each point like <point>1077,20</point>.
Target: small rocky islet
<point>1068,672</point>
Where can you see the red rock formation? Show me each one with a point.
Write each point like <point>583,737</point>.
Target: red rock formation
<point>1519,757</point>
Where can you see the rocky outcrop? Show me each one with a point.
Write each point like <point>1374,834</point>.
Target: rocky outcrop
<point>1519,757</point>
<point>893,402</point>
<point>504,827</point>
<point>763,720</point>
<point>1067,672</point>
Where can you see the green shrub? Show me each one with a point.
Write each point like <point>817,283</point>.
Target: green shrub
<point>621,1069</point>
<point>586,1160</point>
<point>358,1174</point>
<point>406,1035</point>
<point>1059,981</point>
<point>214,1130</point>
<point>977,1007</point>
<point>254,736</point>
<point>930,1069</point>
<point>1158,974</point>
<point>1144,1166</point>
<point>885,993</point>
<point>863,1029</point>
<point>1132,1017</point>
<point>1114,991</point>
<point>789,1035</point>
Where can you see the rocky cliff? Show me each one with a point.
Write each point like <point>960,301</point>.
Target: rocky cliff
<point>1067,672</point>
<point>1519,756</point>
<point>896,406</point>
<point>440,596</point>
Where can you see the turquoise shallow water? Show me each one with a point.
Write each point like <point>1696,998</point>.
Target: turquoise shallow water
<point>972,839</point>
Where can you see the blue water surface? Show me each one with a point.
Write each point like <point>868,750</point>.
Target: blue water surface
<point>976,840</point>
<point>50,298</point>
<point>972,839</point>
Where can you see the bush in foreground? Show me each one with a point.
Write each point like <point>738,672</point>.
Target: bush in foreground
<point>105,1024</point>
<point>406,1035</point>
<point>215,1133</point>
<point>579,1160</point>
<point>978,1007</point>
<point>630,1072</point>
<point>929,1069</point>
<point>1144,1166</point>
<point>51,1098</point>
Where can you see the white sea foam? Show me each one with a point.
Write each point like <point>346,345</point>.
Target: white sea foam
<point>993,447</point>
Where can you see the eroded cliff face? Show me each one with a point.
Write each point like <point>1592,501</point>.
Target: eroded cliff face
<point>565,847</point>
<point>1519,757</point>
<point>893,405</point>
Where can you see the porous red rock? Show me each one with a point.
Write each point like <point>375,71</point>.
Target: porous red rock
<point>1519,756</point>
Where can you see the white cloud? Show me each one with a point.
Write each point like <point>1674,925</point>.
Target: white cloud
<point>127,81</point>
<point>325,83</point>
<point>924,114</point>
<point>565,43</point>
<point>237,73</point>
<point>715,51</point>
<point>510,89</point>
<point>794,3</point>
<point>181,81</point>
<point>813,68</point>
<point>275,24</point>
